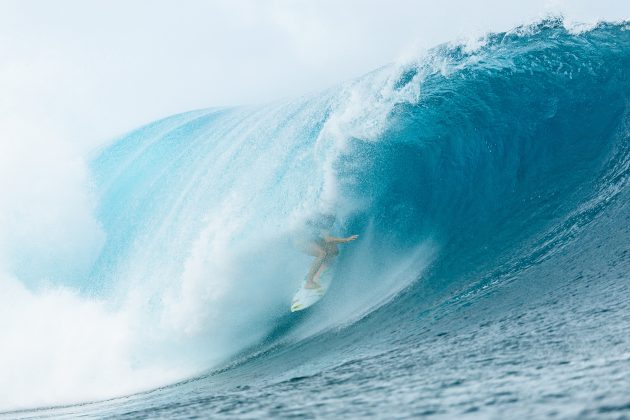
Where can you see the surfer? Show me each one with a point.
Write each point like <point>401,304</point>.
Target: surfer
<point>324,249</point>
<point>314,239</point>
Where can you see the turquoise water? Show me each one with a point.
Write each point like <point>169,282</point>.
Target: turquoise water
<point>489,187</point>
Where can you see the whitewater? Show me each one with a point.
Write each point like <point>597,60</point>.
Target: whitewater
<point>488,182</point>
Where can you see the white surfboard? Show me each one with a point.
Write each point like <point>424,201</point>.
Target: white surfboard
<point>306,297</point>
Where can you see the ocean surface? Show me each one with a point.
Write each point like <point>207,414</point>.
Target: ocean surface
<point>489,184</point>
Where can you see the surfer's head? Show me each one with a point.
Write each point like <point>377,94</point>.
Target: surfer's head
<point>321,221</point>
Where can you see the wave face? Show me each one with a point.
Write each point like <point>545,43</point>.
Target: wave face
<point>462,171</point>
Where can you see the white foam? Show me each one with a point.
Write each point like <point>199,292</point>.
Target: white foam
<point>59,347</point>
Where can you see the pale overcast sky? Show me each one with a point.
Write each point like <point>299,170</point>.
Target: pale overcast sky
<point>93,69</point>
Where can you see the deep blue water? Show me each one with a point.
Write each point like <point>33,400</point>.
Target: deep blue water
<point>490,189</point>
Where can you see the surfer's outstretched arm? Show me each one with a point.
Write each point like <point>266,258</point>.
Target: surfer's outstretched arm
<point>333,240</point>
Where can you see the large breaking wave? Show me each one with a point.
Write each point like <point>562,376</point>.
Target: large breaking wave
<point>441,163</point>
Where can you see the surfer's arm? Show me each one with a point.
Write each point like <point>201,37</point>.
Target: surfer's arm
<point>333,240</point>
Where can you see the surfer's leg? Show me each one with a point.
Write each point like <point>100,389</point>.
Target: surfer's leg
<point>310,278</point>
